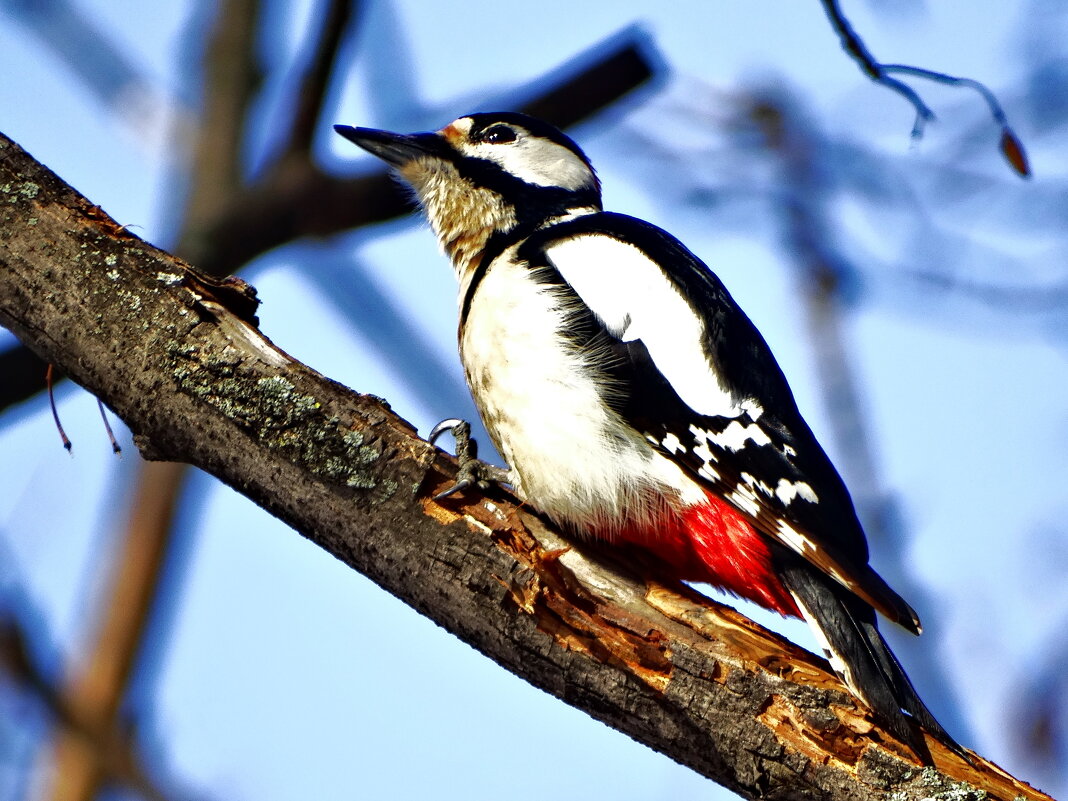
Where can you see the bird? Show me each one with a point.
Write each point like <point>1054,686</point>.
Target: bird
<point>635,402</point>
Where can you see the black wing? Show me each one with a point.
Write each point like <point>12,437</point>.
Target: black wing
<point>760,456</point>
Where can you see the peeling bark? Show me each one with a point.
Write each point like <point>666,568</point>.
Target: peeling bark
<point>198,383</point>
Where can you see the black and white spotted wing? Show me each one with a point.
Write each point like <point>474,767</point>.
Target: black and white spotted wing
<point>702,385</point>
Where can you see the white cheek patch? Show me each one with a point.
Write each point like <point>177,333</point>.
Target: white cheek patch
<point>545,163</point>
<point>536,161</point>
<point>633,298</point>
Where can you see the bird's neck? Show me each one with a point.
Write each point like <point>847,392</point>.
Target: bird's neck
<point>466,216</point>
<point>463,216</point>
<point>464,222</point>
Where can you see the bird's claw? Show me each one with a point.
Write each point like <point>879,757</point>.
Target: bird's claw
<point>462,484</point>
<point>472,472</point>
<point>457,426</point>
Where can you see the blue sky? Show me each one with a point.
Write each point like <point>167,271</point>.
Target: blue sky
<point>279,673</point>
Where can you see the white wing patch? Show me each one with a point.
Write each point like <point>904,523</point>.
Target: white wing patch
<point>786,491</point>
<point>673,444</point>
<point>633,298</point>
<point>709,472</point>
<point>743,498</point>
<point>735,435</point>
<point>704,453</point>
<point>789,535</point>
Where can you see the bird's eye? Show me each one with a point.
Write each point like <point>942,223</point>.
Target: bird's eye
<point>498,135</point>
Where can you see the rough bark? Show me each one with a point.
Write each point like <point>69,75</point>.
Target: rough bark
<point>197,382</point>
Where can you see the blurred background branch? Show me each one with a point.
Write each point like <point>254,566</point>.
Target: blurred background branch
<point>934,238</point>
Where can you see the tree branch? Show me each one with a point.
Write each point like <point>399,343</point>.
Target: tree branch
<point>300,200</point>
<point>859,52</point>
<point>232,75</point>
<point>114,746</point>
<point>84,754</point>
<point>1010,145</point>
<point>198,383</point>
<point>315,81</point>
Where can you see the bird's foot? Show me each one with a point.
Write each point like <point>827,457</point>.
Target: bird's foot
<point>472,473</point>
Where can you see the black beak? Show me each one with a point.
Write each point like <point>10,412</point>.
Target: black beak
<point>394,149</point>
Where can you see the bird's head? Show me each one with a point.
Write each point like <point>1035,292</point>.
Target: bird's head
<point>487,174</point>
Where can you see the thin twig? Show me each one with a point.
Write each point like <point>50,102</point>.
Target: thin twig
<point>992,102</point>
<point>853,45</point>
<point>1010,145</point>
<point>115,447</point>
<point>49,373</point>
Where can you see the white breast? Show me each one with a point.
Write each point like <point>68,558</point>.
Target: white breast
<point>572,456</point>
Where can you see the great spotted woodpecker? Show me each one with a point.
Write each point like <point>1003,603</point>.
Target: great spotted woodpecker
<point>635,402</point>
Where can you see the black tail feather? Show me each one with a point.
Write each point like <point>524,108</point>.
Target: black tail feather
<point>862,659</point>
